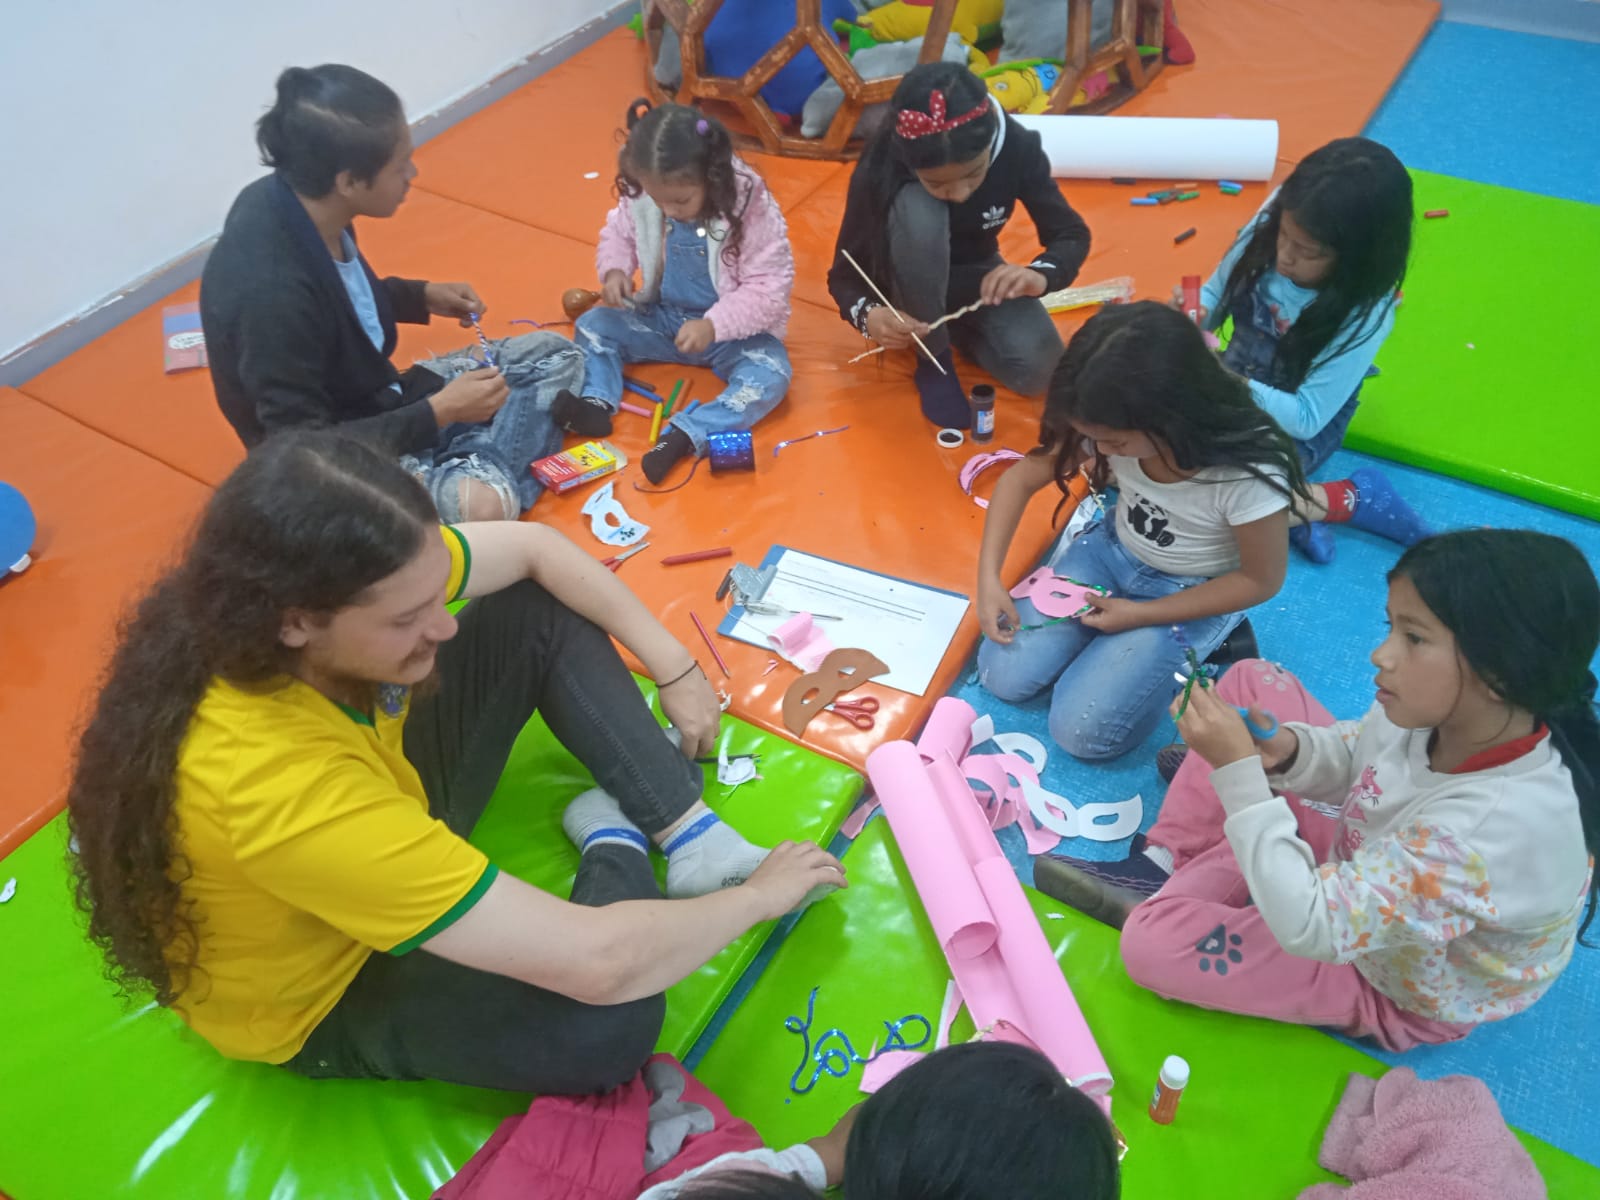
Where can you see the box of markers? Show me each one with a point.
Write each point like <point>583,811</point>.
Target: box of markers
<point>577,466</point>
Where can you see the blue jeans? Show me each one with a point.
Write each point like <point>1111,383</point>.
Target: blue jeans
<point>499,451</point>
<point>1253,353</point>
<point>756,369</point>
<point>1110,688</point>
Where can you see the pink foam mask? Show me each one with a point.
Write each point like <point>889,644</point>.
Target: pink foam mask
<point>1055,595</point>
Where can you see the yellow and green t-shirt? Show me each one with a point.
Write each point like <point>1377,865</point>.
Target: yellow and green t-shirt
<point>308,845</point>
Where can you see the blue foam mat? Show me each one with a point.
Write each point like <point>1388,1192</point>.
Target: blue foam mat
<point>1322,625</point>
<point>1512,109</point>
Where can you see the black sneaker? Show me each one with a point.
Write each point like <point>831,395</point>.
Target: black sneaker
<point>1106,891</point>
<point>1238,646</point>
<point>1169,759</point>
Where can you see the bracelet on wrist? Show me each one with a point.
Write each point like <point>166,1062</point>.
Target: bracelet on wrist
<point>687,671</point>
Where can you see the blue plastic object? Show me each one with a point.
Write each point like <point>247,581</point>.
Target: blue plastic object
<point>17,529</point>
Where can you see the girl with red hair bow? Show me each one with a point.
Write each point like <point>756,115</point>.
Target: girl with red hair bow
<point>934,187</point>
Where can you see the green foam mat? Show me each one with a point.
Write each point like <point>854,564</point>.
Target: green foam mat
<point>1490,373</point>
<point>98,1099</point>
<point>1250,1120</point>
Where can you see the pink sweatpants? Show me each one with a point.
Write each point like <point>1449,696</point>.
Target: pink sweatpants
<point>1200,939</point>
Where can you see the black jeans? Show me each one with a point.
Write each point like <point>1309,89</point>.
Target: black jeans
<point>419,1016</point>
<point>1016,342</point>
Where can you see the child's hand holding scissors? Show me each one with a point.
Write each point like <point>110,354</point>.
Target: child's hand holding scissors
<point>1217,731</point>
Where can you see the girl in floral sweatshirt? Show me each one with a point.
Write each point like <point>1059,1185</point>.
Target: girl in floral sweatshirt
<point>1407,876</point>
<point>715,271</point>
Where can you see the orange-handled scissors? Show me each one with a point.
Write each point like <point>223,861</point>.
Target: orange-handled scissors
<point>857,712</point>
<point>616,560</point>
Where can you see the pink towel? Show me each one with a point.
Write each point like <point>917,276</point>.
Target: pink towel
<point>1403,1138</point>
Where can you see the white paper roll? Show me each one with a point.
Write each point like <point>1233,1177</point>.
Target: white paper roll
<point>1156,147</point>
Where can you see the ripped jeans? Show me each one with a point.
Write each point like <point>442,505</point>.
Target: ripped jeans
<point>498,452</point>
<point>756,369</point>
<point>1109,689</point>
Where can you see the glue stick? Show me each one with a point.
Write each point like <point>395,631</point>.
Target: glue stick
<point>1191,298</point>
<point>1170,1083</point>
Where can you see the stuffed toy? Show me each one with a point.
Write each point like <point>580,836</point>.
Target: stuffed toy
<point>1024,87</point>
<point>975,20</point>
<point>743,30</point>
<point>1031,29</point>
<point>879,61</point>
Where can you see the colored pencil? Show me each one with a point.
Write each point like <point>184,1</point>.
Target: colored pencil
<point>710,645</point>
<point>673,560</point>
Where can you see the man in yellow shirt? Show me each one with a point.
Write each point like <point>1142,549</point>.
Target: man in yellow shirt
<point>272,799</point>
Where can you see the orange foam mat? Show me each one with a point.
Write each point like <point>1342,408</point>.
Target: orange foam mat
<point>108,520</point>
<point>1320,71</point>
<point>117,386</point>
<point>882,496</point>
<point>527,156</point>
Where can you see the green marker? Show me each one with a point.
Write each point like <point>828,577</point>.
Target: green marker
<point>671,400</point>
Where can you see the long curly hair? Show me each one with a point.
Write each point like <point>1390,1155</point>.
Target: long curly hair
<point>1146,368</point>
<point>309,521</point>
<point>1354,196</point>
<point>674,141</point>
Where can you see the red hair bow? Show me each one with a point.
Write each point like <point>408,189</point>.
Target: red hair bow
<point>909,123</point>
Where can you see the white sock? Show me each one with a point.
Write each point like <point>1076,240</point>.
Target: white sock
<point>595,819</point>
<point>705,854</point>
<point>1160,855</point>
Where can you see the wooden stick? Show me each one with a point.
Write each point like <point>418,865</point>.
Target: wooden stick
<point>960,312</point>
<point>850,258</point>
<point>710,645</point>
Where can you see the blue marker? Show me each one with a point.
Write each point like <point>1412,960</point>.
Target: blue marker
<point>1143,202</point>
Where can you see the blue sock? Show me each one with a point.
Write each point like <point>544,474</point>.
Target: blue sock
<point>1380,510</point>
<point>1314,540</point>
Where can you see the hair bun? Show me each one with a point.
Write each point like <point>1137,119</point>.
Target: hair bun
<point>638,110</point>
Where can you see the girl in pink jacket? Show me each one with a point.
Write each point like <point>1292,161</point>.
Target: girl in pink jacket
<point>715,271</point>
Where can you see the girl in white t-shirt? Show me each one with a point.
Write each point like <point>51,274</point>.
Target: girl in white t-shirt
<point>1200,531</point>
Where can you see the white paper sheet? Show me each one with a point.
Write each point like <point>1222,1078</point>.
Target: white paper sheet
<point>907,625</point>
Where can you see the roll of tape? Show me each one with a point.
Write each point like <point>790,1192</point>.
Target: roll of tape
<point>951,438</point>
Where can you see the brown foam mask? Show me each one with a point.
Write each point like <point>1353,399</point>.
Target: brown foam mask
<point>835,675</point>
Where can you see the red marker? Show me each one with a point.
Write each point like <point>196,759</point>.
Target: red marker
<point>1191,298</point>
<point>1434,213</point>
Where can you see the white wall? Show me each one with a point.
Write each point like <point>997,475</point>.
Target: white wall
<point>126,128</point>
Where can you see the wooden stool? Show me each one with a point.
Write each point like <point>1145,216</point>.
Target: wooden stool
<point>1134,23</point>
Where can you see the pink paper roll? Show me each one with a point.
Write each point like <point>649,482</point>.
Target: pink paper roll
<point>948,731</point>
<point>1045,1007</point>
<point>956,909</point>
<point>950,850</point>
